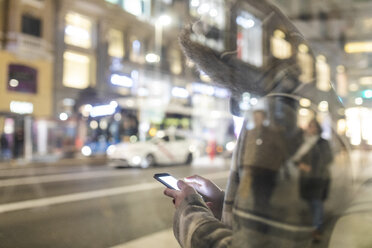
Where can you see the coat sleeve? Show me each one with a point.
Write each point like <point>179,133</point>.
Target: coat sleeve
<point>195,226</point>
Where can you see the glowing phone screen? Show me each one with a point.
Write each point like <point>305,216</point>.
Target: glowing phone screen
<point>171,181</point>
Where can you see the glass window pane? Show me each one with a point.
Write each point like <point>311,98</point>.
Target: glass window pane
<point>138,7</point>
<point>31,25</point>
<point>76,70</point>
<point>116,43</point>
<point>306,64</point>
<point>323,72</point>
<point>78,30</point>
<point>280,48</point>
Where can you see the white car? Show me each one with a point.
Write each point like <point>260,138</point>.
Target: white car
<point>164,148</point>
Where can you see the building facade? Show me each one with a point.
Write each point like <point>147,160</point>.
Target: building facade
<point>26,64</point>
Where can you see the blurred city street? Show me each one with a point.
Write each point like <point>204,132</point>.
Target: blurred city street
<point>94,206</point>
<point>98,206</point>
<point>96,96</point>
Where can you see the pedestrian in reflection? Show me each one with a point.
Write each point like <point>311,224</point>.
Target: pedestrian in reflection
<point>265,153</point>
<point>4,147</point>
<point>18,143</point>
<point>313,159</point>
<point>237,218</point>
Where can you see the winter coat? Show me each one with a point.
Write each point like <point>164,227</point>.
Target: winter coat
<point>196,227</point>
<point>315,183</point>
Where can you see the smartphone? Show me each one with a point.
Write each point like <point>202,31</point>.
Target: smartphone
<point>167,180</point>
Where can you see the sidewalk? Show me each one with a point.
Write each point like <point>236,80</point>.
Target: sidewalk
<point>51,161</point>
<point>353,229</point>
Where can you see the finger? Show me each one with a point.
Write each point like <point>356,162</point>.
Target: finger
<point>182,185</point>
<point>170,192</point>
<point>194,185</point>
<point>197,187</point>
<point>195,179</point>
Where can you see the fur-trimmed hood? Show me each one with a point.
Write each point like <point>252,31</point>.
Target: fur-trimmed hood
<point>225,69</point>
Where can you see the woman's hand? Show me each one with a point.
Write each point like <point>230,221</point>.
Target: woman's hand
<point>211,193</point>
<point>179,195</point>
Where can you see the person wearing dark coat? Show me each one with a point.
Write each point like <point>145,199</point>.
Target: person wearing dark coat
<point>313,158</point>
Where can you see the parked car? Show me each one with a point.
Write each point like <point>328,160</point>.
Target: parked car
<point>164,148</point>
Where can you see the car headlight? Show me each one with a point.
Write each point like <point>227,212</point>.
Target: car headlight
<point>86,151</point>
<point>136,160</point>
<point>192,148</point>
<point>111,150</point>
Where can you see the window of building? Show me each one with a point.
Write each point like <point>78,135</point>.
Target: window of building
<point>280,48</point>
<point>78,30</point>
<point>136,52</point>
<point>306,62</point>
<point>22,78</point>
<point>323,73</point>
<point>76,70</point>
<point>31,25</point>
<point>35,3</point>
<point>115,43</point>
<point>249,39</point>
<point>138,7</point>
<point>212,12</point>
<point>175,61</point>
<point>342,83</point>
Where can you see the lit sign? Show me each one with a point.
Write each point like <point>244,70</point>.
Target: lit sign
<point>103,110</point>
<point>21,107</point>
<point>152,58</point>
<point>180,92</point>
<point>359,47</point>
<point>121,80</point>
